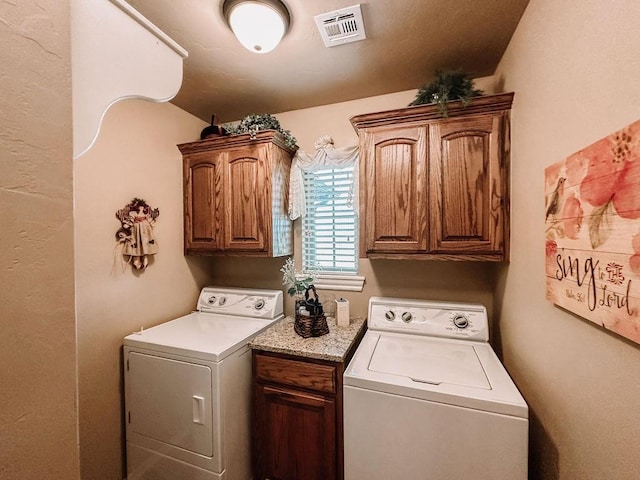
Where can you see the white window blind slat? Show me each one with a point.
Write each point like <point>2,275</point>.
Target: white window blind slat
<point>330,225</point>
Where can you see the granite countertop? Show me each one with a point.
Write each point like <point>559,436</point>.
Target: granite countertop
<point>334,346</point>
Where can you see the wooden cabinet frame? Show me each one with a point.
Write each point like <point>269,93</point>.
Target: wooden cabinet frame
<point>434,187</point>
<point>236,196</point>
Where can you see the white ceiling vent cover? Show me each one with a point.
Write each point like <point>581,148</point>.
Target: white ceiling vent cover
<point>341,26</point>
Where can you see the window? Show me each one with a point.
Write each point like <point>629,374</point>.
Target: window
<point>330,224</point>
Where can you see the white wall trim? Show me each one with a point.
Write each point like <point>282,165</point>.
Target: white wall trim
<point>116,53</point>
<point>352,283</point>
<point>142,20</point>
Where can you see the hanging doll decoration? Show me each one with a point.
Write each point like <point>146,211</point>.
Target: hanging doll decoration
<point>135,238</point>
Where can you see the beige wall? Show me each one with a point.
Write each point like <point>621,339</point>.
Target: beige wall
<point>575,73</point>
<point>459,281</point>
<point>575,70</point>
<point>135,155</point>
<point>38,412</point>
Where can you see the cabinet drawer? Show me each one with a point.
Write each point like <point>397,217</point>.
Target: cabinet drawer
<point>296,373</point>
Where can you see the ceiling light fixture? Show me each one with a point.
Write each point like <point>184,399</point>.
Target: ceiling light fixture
<point>259,25</point>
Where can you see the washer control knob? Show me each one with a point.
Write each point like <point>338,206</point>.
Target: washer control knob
<point>259,305</point>
<point>222,301</point>
<point>211,300</point>
<point>389,315</point>
<point>460,320</point>
<point>407,317</point>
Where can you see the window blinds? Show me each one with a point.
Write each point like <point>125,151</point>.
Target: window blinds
<point>330,224</point>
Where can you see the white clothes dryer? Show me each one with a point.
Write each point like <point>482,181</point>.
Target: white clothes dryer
<point>425,397</point>
<point>188,388</point>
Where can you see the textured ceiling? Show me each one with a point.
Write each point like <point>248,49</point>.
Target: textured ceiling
<point>407,40</point>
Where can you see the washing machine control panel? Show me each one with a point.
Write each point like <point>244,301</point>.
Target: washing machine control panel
<point>241,302</point>
<point>424,317</point>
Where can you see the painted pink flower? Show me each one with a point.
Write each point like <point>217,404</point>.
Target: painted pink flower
<point>597,186</point>
<point>613,173</point>
<point>576,168</point>
<point>572,217</point>
<point>626,195</point>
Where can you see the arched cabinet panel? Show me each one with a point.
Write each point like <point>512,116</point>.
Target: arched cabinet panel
<point>245,203</point>
<point>395,190</point>
<point>464,159</point>
<point>202,219</point>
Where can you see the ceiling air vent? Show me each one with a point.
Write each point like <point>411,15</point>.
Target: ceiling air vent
<point>341,26</point>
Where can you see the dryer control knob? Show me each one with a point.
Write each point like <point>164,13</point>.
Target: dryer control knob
<point>211,300</point>
<point>389,315</point>
<point>223,300</point>
<point>259,305</point>
<point>460,321</point>
<point>407,317</point>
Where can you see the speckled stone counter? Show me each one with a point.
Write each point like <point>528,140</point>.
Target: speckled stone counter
<point>334,346</point>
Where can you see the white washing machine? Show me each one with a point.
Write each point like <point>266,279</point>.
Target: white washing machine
<point>426,398</point>
<point>188,388</point>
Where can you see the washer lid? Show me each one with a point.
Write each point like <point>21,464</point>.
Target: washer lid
<point>471,374</point>
<point>429,361</point>
<point>200,335</point>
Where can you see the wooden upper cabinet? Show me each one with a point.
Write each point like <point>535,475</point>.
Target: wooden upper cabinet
<point>236,196</point>
<point>434,187</point>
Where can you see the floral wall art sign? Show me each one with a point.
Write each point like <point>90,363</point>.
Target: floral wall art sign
<point>593,232</point>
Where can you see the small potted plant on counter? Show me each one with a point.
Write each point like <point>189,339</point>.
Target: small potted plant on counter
<point>297,282</point>
<point>310,320</point>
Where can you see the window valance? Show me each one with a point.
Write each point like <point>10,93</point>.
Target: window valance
<point>325,156</point>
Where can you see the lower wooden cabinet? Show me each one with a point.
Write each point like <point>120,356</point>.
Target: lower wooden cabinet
<point>297,418</point>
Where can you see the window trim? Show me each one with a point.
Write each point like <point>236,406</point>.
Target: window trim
<point>340,281</point>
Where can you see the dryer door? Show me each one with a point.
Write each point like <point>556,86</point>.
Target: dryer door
<point>170,401</point>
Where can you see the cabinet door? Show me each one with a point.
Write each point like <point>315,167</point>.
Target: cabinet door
<point>202,202</point>
<point>393,190</point>
<point>295,433</point>
<point>466,186</point>
<point>246,199</point>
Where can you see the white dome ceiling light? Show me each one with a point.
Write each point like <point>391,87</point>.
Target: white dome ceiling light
<point>259,25</point>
